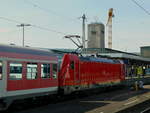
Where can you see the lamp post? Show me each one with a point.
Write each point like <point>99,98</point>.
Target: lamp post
<point>23,25</point>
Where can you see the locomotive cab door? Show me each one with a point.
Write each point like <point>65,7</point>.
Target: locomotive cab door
<point>75,67</point>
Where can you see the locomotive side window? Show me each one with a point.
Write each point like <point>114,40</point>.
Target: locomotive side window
<point>31,71</point>
<point>15,71</point>
<point>0,70</point>
<point>45,70</point>
<point>72,65</point>
<point>54,71</point>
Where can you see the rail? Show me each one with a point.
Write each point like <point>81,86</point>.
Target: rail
<point>147,110</point>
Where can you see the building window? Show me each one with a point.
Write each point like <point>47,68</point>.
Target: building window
<point>102,31</point>
<point>45,70</point>
<point>54,71</point>
<point>1,70</point>
<point>93,32</point>
<point>15,71</point>
<point>31,71</point>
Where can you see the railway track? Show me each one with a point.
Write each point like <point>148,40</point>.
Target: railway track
<point>30,104</point>
<point>147,110</point>
<point>84,102</point>
<point>139,108</point>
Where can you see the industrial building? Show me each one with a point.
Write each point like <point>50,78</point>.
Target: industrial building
<point>96,35</point>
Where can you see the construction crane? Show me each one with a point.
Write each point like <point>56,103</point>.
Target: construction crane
<point>109,26</point>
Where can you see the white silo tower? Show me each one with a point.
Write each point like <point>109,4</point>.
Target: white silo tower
<point>96,35</point>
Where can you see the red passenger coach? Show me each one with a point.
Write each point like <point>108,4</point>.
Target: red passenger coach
<point>79,73</point>
<point>26,72</point>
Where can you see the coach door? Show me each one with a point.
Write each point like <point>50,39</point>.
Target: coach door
<point>32,80</point>
<point>1,78</point>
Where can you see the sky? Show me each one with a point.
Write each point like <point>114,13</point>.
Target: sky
<point>51,20</point>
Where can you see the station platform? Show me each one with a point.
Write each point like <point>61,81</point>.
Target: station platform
<point>123,101</point>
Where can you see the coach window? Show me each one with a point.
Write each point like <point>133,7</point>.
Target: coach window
<point>15,71</point>
<point>54,71</point>
<point>45,70</point>
<point>0,70</point>
<point>31,71</point>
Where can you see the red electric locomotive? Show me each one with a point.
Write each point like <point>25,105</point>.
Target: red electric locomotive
<point>80,73</point>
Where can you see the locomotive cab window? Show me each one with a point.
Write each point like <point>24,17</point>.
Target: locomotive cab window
<point>72,65</point>
<point>1,70</point>
<point>54,71</point>
<point>15,71</point>
<point>31,71</point>
<point>45,70</point>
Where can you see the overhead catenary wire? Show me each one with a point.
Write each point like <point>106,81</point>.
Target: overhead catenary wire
<point>141,1</point>
<point>48,29</point>
<point>10,20</point>
<point>33,25</point>
<point>141,7</point>
<point>49,11</point>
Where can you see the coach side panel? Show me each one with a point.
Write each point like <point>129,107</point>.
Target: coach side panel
<point>15,83</point>
<point>3,77</point>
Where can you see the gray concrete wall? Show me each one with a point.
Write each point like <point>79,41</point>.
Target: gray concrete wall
<point>96,35</point>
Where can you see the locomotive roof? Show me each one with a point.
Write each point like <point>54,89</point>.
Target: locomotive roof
<point>25,50</point>
<point>96,59</point>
